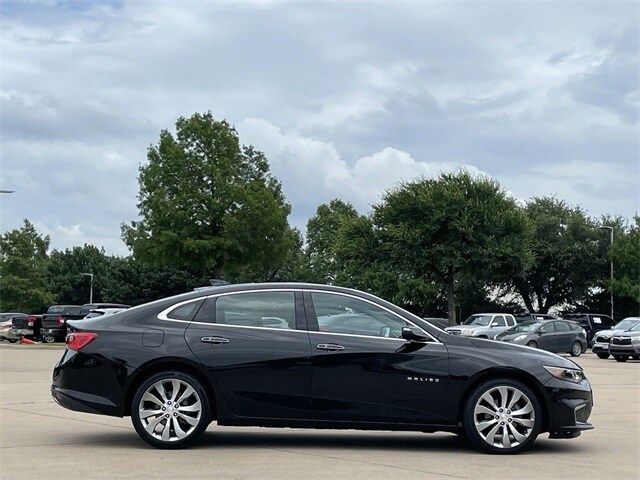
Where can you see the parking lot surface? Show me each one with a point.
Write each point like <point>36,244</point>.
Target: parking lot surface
<point>40,440</point>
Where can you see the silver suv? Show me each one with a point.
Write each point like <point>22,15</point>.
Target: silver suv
<point>484,325</point>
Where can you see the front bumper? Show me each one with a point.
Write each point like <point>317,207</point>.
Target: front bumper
<point>569,408</point>
<point>600,348</point>
<point>624,349</point>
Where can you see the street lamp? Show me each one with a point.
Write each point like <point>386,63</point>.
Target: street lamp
<point>90,275</point>
<point>605,227</point>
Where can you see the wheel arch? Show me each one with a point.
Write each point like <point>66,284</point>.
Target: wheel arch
<point>163,365</point>
<point>510,374</point>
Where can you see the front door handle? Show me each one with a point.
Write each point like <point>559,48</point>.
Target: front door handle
<point>214,340</point>
<point>331,347</point>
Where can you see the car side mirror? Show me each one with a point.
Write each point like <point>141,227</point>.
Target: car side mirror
<point>412,334</point>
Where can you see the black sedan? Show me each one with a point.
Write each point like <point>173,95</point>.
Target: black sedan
<point>257,355</point>
<point>559,336</point>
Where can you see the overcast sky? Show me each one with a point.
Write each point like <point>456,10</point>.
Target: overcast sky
<point>345,100</point>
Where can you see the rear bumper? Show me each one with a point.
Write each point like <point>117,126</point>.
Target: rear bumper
<point>83,402</point>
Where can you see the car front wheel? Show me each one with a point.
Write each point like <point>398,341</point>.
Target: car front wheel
<point>502,416</point>
<point>170,410</point>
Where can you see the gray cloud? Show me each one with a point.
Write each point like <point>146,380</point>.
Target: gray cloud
<point>345,99</point>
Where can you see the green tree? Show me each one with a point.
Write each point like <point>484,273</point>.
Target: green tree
<point>64,274</point>
<point>23,263</point>
<point>209,204</point>
<point>566,260</point>
<point>322,235</point>
<point>625,255</point>
<point>454,227</point>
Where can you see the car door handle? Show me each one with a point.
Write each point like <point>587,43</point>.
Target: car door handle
<point>331,347</point>
<point>214,340</point>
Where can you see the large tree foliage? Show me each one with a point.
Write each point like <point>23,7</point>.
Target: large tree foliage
<point>322,235</point>
<point>454,227</point>
<point>566,261</point>
<point>210,204</point>
<point>64,271</point>
<point>23,264</point>
<point>625,255</point>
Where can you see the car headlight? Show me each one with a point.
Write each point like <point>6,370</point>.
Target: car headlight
<point>519,337</point>
<point>572,375</point>
<point>584,332</point>
<point>635,340</point>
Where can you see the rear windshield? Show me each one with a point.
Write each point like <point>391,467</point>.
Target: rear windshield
<point>65,309</point>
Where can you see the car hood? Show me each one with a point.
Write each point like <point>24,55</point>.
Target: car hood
<point>627,334</point>
<point>511,336</point>
<point>545,358</point>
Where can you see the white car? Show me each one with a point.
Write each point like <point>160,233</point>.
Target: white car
<point>6,328</point>
<point>484,325</point>
<point>601,341</point>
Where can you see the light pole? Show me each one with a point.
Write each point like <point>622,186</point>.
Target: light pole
<point>90,275</point>
<point>605,227</point>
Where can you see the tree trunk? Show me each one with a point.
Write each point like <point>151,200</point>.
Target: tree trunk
<point>451,297</point>
<point>525,296</point>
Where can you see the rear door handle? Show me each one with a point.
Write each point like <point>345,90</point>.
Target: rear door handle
<point>331,347</point>
<point>214,340</point>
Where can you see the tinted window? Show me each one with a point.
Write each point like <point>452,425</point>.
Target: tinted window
<point>510,321</point>
<point>186,311</point>
<point>347,315</point>
<point>603,321</point>
<point>499,319</point>
<point>546,328</point>
<point>257,309</point>
<point>561,326</point>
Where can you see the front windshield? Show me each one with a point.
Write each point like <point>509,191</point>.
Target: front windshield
<point>480,320</point>
<point>626,324</point>
<point>635,328</point>
<point>525,327</point>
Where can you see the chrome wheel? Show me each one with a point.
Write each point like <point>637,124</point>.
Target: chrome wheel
<point>170,410</point>
<point>576,350</point>
<point>504,416</point>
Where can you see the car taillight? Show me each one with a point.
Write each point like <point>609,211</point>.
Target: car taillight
<point>60,321</point>
<point>79,340</point>
<point>30,320</point>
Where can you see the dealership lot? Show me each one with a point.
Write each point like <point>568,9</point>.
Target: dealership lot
<point>43,440</point>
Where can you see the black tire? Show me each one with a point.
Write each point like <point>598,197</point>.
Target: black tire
<point>620,358</point>
<point>198,429</point>
<point>603,356</point>
<point>532,345</point>
<point>576,349</point>
<point>468,420</point>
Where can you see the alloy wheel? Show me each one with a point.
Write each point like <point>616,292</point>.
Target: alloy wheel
<point>576,349</point>
<point>504,417</point>
<point>170,410</point>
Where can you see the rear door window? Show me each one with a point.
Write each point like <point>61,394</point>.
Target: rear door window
<point>561,326</point>
<point>257,309</point>
<point>499,320</point>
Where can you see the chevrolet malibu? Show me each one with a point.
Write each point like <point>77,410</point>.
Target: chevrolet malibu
<point>312,356</point>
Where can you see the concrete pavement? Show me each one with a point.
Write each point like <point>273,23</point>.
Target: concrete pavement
<point>40,440</point>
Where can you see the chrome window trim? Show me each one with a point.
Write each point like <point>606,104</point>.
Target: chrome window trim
<point>163,314</point>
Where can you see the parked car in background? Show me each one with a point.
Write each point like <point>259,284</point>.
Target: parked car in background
<point>591,322</point>
<point>101,312</point>
<point>6,327</point>
<point>626,344</point>
<point>54,322</point>
<point>601,340</point>
<point>528,317</point>
<point>88,307</point>
<point>559,336</point>
<point>27,325</point>
<point>483,325</point>
<point>176,365</point>
<point>438,322</point>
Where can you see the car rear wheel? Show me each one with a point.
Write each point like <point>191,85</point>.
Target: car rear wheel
<point>502,416</point>
<point>170,410</point>
<point>576,349</point>
<point>620,358</point>
<point>532,345</point>
<point>603,355</point>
